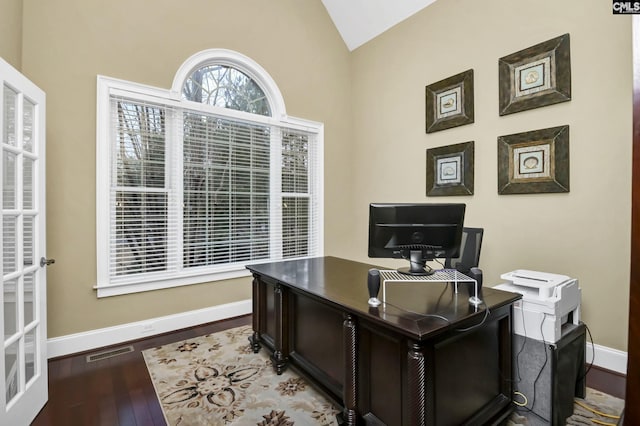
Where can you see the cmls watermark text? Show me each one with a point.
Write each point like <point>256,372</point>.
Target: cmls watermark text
<point>626,7</point>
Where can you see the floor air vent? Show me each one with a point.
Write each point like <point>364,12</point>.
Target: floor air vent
<point>109,354</point>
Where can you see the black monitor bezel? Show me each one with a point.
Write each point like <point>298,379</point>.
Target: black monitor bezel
<point>435,214</point>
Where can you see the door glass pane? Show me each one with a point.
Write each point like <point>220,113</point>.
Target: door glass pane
<point>11,371</point>
<point>10,289</point>
<point>27,183</point>
<point>30,343</point>
<point>23,329</point>
<point>9,243</point>
<point>9,128</point>
<point>9,180</point>
<point>27,125</point>
<point>27,240</point>
<point>29,298</point>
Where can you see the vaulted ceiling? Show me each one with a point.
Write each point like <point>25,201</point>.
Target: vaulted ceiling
<point>359,21</point>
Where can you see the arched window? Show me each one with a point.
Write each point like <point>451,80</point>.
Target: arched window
<point>226,87</point>
<point>198,181</point>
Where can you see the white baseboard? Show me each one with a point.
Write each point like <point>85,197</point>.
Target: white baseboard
<point>86,341</point>
<point>604,357</point>
<point>608,358</point>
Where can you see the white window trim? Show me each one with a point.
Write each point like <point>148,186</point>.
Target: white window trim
<point>240,62</point>
<point>107,86</point>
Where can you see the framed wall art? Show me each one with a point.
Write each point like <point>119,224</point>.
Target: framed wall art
<point>450,170</point>
<point>534,77</point>
<point>450,102</point>
<point>534,162</point>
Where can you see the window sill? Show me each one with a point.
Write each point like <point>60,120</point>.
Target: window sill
<point>138,287</point>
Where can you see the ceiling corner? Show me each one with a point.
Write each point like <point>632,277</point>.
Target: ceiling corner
<point>359,21</point>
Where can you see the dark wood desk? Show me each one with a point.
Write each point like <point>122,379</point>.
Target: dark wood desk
<point>426,356</point>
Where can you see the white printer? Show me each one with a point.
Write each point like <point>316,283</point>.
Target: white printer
<point>548,301</point>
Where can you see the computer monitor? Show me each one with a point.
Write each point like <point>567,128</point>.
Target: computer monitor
<point>415,232</point>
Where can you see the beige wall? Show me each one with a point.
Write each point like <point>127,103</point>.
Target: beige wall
<point>372,104</point>
<point>68,42</point>
<point>11,32</point>
<point>584,233</point>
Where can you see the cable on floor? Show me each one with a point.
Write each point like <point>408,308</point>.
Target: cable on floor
<point>593,410</point>
<point>524,402</point>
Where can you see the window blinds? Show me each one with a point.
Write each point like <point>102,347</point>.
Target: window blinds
<point>195,191</point>
<point>140,189</point>
<point>226,169</point>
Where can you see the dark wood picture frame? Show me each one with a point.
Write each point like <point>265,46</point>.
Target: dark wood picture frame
<point>450,170</point>
<point>449,102</point>
<point>534,162</point>
<point>534,77</point>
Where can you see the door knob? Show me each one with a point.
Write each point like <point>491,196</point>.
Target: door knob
<point>46,262</point>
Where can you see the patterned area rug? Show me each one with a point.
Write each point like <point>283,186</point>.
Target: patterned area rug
<point>217,380</point>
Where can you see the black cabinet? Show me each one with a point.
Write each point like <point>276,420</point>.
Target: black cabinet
<point>550,375</point>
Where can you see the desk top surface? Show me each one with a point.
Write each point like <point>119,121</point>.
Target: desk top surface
<point>417,309</point>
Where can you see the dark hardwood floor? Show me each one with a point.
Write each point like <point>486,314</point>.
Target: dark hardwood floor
<point>117,391</point>
<point>114,391</point>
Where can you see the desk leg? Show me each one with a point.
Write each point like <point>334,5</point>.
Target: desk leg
<point>417,385</point>
<point>350,392</point>
<point>254,339</point>
<point>279,357</point>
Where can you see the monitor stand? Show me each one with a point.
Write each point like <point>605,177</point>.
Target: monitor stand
<point>417,265</point>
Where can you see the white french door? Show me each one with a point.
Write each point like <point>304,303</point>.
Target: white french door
<point>23,316</point>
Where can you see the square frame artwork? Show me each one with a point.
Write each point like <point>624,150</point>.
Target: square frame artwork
<point>534,77</point>
<point>450,170</point>
<point>450,102</point>
<point>534,162</point>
